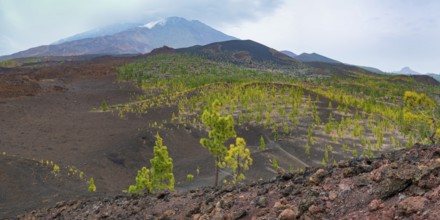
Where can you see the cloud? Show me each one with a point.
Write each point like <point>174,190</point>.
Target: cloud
<point>35,22</point>
<point>6,44</point>
<point>386,34</point>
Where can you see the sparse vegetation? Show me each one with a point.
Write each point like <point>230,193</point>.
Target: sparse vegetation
<point>104,106</point>
<point>92,187</point>
<point>262,144</point>
<point>275,164</point>
<point>56,168</point>
<point>366,117</point>
<point>319,119</point>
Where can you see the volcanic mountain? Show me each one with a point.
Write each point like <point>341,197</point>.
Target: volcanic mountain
<point>241,52</point>
<point>407,71</point>
<point>289,53</point>
<point>174,32</point>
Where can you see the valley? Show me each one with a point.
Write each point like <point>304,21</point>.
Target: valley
<point>306,114</point>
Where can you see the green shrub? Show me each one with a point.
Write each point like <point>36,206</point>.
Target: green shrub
<point>92,187</point>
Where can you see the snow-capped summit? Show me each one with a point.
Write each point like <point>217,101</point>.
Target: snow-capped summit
<point>175,32</point>
<point>152,24</point>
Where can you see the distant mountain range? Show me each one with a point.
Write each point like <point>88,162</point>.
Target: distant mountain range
<point>310,57</point>
<point>409,71</point>
<point>174,32</point>
<point>192,36</point>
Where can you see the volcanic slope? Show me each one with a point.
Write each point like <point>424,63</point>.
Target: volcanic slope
<point>304,122</point>
<point>404,184</point>
<point>241,52</point>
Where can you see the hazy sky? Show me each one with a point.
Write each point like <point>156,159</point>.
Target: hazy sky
<point>388,34</point>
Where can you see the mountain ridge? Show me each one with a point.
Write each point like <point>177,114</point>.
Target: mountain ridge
<point>241,51</point>
<point>176,32</point>
<point>314,57</point>
<point>289,53</point>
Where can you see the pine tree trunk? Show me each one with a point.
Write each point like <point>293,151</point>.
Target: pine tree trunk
<point>216,172</point>
<point>433,131</point>
<point>238,165</point>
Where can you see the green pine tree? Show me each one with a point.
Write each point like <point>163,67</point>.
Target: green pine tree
<point>220,129</point>
<point>161,167</point>
<point>239,159</point>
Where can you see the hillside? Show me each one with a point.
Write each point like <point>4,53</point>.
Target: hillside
<point>173,32</point>
<point>289,53</point>
<point>99,32</point>
<point>100,116</point>
<point>372,69</point>
<point>399,185</point>
<point>314,57</point>
<point>241,52</point>
<point>435,76</point>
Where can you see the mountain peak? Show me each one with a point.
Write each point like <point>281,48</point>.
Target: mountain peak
<point>406,68</point>
<point>175,32</point>
<point>165,21</point>
<point>408,71</point>
<point>289,53</point>
<point>152,24</point>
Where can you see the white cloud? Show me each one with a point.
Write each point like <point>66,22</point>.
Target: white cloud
<point>386,34</point>
<point>36,22</point>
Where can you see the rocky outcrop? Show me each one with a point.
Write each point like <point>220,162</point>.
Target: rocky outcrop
<point>403,184</point>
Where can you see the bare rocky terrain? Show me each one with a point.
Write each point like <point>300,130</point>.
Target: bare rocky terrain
<point>48,115</point>
<point>401,185</point>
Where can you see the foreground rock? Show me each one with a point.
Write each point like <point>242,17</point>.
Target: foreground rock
<point>399,185</point>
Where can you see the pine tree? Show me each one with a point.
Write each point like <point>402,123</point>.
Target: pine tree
<point>160,176</point>
<point>143,182</point>
<point>161,167</point>
<point>421,112</point>
<point>220,129</point>
<point>104,106</point>
<point>262,144</point>
<point>92,187</point>
<point>239,159</point>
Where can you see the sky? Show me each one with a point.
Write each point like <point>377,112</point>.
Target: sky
<point>387,34</point>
